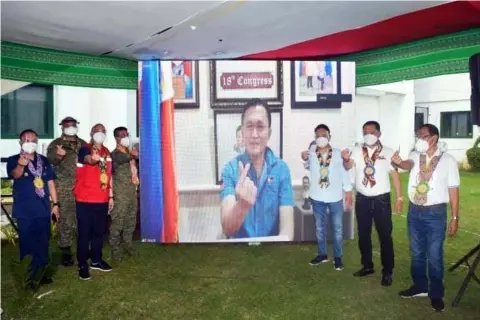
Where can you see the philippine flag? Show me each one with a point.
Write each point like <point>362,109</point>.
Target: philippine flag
<point>171,204</point>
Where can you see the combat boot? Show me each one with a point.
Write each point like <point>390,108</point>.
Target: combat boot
<point>116,255</point>
<point>130,250</point>
<point>67,258</point>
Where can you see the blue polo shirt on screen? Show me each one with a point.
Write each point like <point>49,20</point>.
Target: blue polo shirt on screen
<point>274,189</point>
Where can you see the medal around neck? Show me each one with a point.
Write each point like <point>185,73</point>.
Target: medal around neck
<point>38,183</point>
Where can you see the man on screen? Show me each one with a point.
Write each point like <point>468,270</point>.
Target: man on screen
<point>257,195</point>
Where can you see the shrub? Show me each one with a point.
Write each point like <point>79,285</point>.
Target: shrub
<point>6,187</point>
<point>473,155</point>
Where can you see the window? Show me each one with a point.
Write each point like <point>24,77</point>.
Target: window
<point>421,117</point>
<point>30,107</point>
<point>456,125</point>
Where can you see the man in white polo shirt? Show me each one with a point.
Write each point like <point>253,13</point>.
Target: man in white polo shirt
<point>434,181</point>
<point>373,167</point>
<point>330,182</point>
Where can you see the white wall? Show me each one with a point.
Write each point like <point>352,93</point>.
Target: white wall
<point>89,106</point>
<point>442,94</point>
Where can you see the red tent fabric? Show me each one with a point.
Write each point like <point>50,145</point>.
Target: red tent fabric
<point>447,18</point>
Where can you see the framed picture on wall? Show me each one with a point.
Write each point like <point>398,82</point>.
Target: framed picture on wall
<point>317,85</point>
<point>185,84</point>
<point>234,82</point>
<point>229,140</point>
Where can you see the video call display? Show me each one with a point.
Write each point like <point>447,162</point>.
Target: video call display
<point>251,196</point>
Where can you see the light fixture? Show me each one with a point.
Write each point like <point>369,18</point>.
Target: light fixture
<point>193,27</point>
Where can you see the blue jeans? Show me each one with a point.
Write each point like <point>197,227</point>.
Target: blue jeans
<point>336,220</point>
<point>426,228</point>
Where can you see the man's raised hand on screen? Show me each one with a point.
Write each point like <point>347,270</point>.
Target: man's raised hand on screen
<point>245,190</point>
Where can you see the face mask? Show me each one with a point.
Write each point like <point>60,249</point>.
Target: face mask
<point>321,142</point>
<point>29,147</point>
<point>125,142</point>
<point>370,139</point>
<point>421,146</point>
<point>70,131</point>
<point>99,137</point>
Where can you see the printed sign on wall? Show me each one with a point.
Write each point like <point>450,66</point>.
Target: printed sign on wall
<point>235,82</point>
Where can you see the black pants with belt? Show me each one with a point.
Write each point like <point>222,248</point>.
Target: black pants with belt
<point>91,227</point>
<point>376,209</point>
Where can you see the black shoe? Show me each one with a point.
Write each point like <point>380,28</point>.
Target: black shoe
<point>338,264</point>
<point>319,260</point>
<point>387,280</point>
<point>413,292</point>
<point>101,265</point>
<point>30,284</point>
<point>83,272</point>
<point>46,280</point>
<point>67,259</point>
<point>438,305</point>
<point>364,272</point>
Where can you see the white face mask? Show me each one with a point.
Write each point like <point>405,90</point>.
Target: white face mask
<point>70,131</point>
<point>125,142</point>
<point>370,139</point>
<point>99,137</point>
<point>322,142</point>
<point>421,146</point>
<point>29,147</point>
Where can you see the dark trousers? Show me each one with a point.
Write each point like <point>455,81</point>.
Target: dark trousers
<point>309,82</point>
<point>426,229</point>
<point>34,238</point>
<point>91,227</point>
<point>376,209</point>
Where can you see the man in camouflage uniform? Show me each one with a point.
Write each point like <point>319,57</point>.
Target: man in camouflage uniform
<point>63,153</point>
<point>125,182</point>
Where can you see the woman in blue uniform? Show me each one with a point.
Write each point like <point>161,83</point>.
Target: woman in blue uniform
<point>32,188</point>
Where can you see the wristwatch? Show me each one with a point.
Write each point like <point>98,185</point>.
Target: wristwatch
<point>454,217</point>
<point>56,204</point>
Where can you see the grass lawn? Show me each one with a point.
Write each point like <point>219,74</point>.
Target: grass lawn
<point>240,282</point>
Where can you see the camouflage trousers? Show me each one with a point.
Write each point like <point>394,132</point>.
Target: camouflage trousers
<point>124,221</point>
<point>67,223</point>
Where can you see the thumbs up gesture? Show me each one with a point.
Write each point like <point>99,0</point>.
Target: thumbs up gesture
<point>245,190</point>
<point>60,151</point>
<point>22,161</point>
<point>96,157</point>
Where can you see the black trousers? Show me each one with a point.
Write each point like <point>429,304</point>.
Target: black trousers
<point>91,226</point>
<point>376,209</point>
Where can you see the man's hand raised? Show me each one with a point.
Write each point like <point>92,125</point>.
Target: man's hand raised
<point>22,161</point>
<point>346,155</point>
<point>245,190</point>
<point>60,151</point>
<point>396,159</point>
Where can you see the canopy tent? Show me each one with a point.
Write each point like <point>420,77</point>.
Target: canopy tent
<point>96,44</point>
<point>230,29</point>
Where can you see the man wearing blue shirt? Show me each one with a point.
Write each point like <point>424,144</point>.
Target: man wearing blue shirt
<point>33,185</point>
<point>257,195</point>
<point>329,181</point>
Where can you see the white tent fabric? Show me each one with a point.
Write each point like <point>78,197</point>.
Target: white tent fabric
<point>199,29</point>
